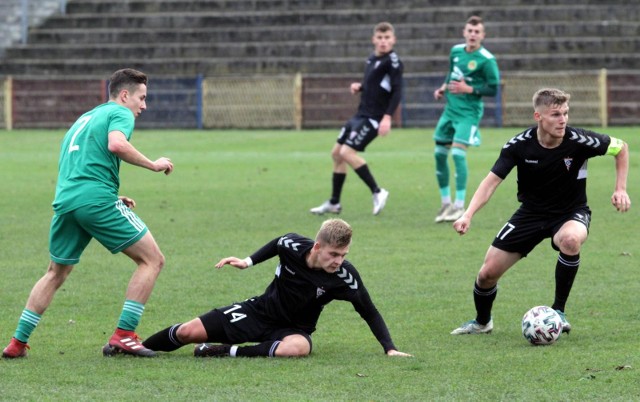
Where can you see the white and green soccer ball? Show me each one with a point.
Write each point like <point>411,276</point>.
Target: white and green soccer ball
<point>541,325</point>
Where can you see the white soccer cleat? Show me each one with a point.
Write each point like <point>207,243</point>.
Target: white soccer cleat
<point>441,213</point>
<point>566,326</point>
<point>379,200</point>
<point>472,327</point>
<point>453,214</point>
<point>326,207</point>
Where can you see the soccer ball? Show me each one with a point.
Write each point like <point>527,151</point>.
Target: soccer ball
<point>541,325</point>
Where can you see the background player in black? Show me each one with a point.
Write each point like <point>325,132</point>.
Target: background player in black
<point>551,161</point>
<point>381,92</point>
<point>310,274</point>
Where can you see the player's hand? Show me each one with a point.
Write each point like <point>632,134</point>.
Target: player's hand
<point>462,225</point>
<point>459,87</point>
<point>163,165</point>
<point>394,352</point>
<point>233,261</point>
<point>438,93</point>
<point>385,126</point>
<point>621,200</point>
<point>129,202</point>
<point>355,87</point>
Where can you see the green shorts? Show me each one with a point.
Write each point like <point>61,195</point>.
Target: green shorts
<point>114,225</point>
<point>465,132</point>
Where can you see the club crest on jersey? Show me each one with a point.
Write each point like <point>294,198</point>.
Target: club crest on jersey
<point>567,163</point>
<point>472,65</point>
<point>319,292</point>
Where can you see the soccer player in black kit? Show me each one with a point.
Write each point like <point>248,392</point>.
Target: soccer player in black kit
<point>551,161</point>
<point>309,275</point>
<point>380,94</point>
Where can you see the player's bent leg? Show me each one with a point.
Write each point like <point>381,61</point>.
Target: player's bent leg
<point>150,260</point>
<point>43,291</point>
<point>192,332</point>
<point>338,162</point>
<point>293,346</point>
<point>146,254</point>
<point>496,263</point>
<point>570,237</point>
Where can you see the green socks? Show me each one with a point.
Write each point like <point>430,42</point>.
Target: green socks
<point>462,172</point>
<point>130,316</point>
<point>441,154</point>
<point>27,323</point>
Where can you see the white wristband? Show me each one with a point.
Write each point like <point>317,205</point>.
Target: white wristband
<point>249,261</point>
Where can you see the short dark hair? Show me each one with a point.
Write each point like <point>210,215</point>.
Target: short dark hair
<point>475,20</point>
<point>127,78</point>
<point>383,27</point>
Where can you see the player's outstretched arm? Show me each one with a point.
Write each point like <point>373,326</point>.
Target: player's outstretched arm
<point>233,261</point>
<point>119,146</point>
<point>482,195</point>
<point>385,125</point>
<point>394,352</point>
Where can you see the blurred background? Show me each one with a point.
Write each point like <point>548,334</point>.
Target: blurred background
<point>287,64</point>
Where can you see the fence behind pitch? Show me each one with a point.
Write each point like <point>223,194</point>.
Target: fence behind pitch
<point>599,98</point>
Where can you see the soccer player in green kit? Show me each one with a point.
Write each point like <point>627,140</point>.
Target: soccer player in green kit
<point>473,73</point>
<point>87,205</point>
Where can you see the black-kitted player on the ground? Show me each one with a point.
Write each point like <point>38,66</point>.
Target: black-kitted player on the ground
<point>310,274</point>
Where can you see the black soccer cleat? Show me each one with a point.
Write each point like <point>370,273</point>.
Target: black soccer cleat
<point>211,350</point>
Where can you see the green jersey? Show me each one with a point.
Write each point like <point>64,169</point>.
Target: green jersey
<point>479,69</point>
<point>88,172</point>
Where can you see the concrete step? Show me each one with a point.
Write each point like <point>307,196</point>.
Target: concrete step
<point>86,6</point>
<point>425,15</point>
<point>508,31</point>
<point>281,65</point>
<point>314,49</point>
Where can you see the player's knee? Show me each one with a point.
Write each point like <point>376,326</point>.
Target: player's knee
<point>570,244</point>
<point>487,278</point>
<point>294,346</point>
<point>336,157</point>
<point>160,261</point>
<point>156,261</point>
<point>292,351</point>
<point>191,332</point>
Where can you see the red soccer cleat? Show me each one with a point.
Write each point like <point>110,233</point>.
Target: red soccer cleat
<point>126,342</point>
<point>15,349</point>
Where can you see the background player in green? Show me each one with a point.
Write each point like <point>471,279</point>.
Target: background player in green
<point>473,73</point>
<point>87,205</point>
<point>551,160</point>
<point>380,94</point>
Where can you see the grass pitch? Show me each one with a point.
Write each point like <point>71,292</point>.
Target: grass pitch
<point>231,192</point>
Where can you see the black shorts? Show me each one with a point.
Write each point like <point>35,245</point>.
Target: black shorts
<point>239,323</point>
<point>525,230</point>
<point>358,132</point>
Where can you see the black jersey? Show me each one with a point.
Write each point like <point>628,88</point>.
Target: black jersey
<point>296,296</point>
<point>381,86</point>
<point>551,180</point>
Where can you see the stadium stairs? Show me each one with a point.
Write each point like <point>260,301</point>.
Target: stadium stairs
<point>222,37</point>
